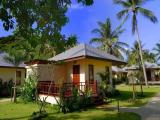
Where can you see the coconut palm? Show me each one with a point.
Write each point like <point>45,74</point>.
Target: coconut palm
<point>133,7</point>
<point>108,39</point>
<point>15,58</point>
<point>149,56</point>
<point>133,56</point>
<point>157,50</point>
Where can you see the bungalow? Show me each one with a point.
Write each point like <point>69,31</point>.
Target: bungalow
<point>119,74</point>
<point>78,66</point>
<point>10,72</point>
<point>152,72</point>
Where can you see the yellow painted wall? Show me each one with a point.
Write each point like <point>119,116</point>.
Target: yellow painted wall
<point>7,74</point>
<point>48,72</point>
<point>64,73</point>
<point>99,66</point>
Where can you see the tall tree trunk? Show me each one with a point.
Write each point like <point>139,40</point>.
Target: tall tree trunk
<point>14,87</point>
<point>141,86</point>
<point>110,78</point>
<point>133,88</point>
<point>141,56</point>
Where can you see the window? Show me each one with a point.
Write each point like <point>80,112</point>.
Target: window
<point>18,77</point>
<point>107,73</point>
<point>91,73</point>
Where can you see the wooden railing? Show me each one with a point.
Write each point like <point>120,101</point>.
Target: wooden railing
<point>45,87</point>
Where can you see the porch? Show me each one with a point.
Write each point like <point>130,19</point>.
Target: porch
<point>52,89</point>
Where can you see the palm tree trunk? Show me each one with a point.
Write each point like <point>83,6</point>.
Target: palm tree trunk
<point>133,88</point>
<point>141,86</point>
<point>14,87</point>
<point>141,56</point>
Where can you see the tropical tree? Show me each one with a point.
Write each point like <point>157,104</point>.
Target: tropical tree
<point>15,58</point>
<point>46,17</point>
<point>157,50</point>
<point>149,56</point>
<point>133,7</point>
<point>133,55</point>
<point>108,39</point>
<point>36,46</point>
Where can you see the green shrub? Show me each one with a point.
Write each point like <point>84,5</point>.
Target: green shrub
<point>28,90</point>
<point>112,92</point>
<point>78,100</point>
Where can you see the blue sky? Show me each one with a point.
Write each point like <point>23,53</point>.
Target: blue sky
<point>82,20</point>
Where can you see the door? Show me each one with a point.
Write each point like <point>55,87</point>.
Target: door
<point>76,74</point>
<point>18,77</point>
<point>149,75</point>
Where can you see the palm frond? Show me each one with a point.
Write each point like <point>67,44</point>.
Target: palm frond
<point>95,40</point>
<point>123,44</point>
<point>148,14</point>
<point>14,60</point>
<point>122,13</point>
<point>97,31</point>
<point>122,3</point>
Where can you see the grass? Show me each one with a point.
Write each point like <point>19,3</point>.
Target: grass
<point>22,111</point>
<point>126,95</point>
<point>96,114</point>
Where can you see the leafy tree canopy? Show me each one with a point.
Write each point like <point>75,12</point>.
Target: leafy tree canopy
<point>42,14</point>
<point>108,39</point>
<point>38,26</point>
<point>134,57</point>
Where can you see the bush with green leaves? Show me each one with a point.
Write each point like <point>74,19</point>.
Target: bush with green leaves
<point>112,92</point>
<point>28,90</point>
<point>78,100</point>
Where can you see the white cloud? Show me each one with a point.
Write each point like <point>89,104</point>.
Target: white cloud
<point>76,7</point>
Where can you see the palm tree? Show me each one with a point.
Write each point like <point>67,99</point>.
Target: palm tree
<point>15,59</point>
<point>109,39</point>
<point>133,56</point>
<point>149,56</point>
<point>133,7</point>
<point>157,50</point>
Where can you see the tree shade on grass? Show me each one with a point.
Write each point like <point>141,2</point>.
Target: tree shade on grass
<point>22,111</point>
<point>126,95</point>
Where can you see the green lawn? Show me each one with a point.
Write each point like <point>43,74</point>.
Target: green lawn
<point>126,95</point>
<point>22,111</point>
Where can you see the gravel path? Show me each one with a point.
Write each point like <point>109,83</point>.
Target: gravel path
<point>150,111</point>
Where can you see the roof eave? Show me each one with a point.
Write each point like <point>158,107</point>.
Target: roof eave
<point>114,62</point>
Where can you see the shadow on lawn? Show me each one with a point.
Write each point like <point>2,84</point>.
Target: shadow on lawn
<point>126,96</point>
<point>16,118</point>
<point>106,116</point>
